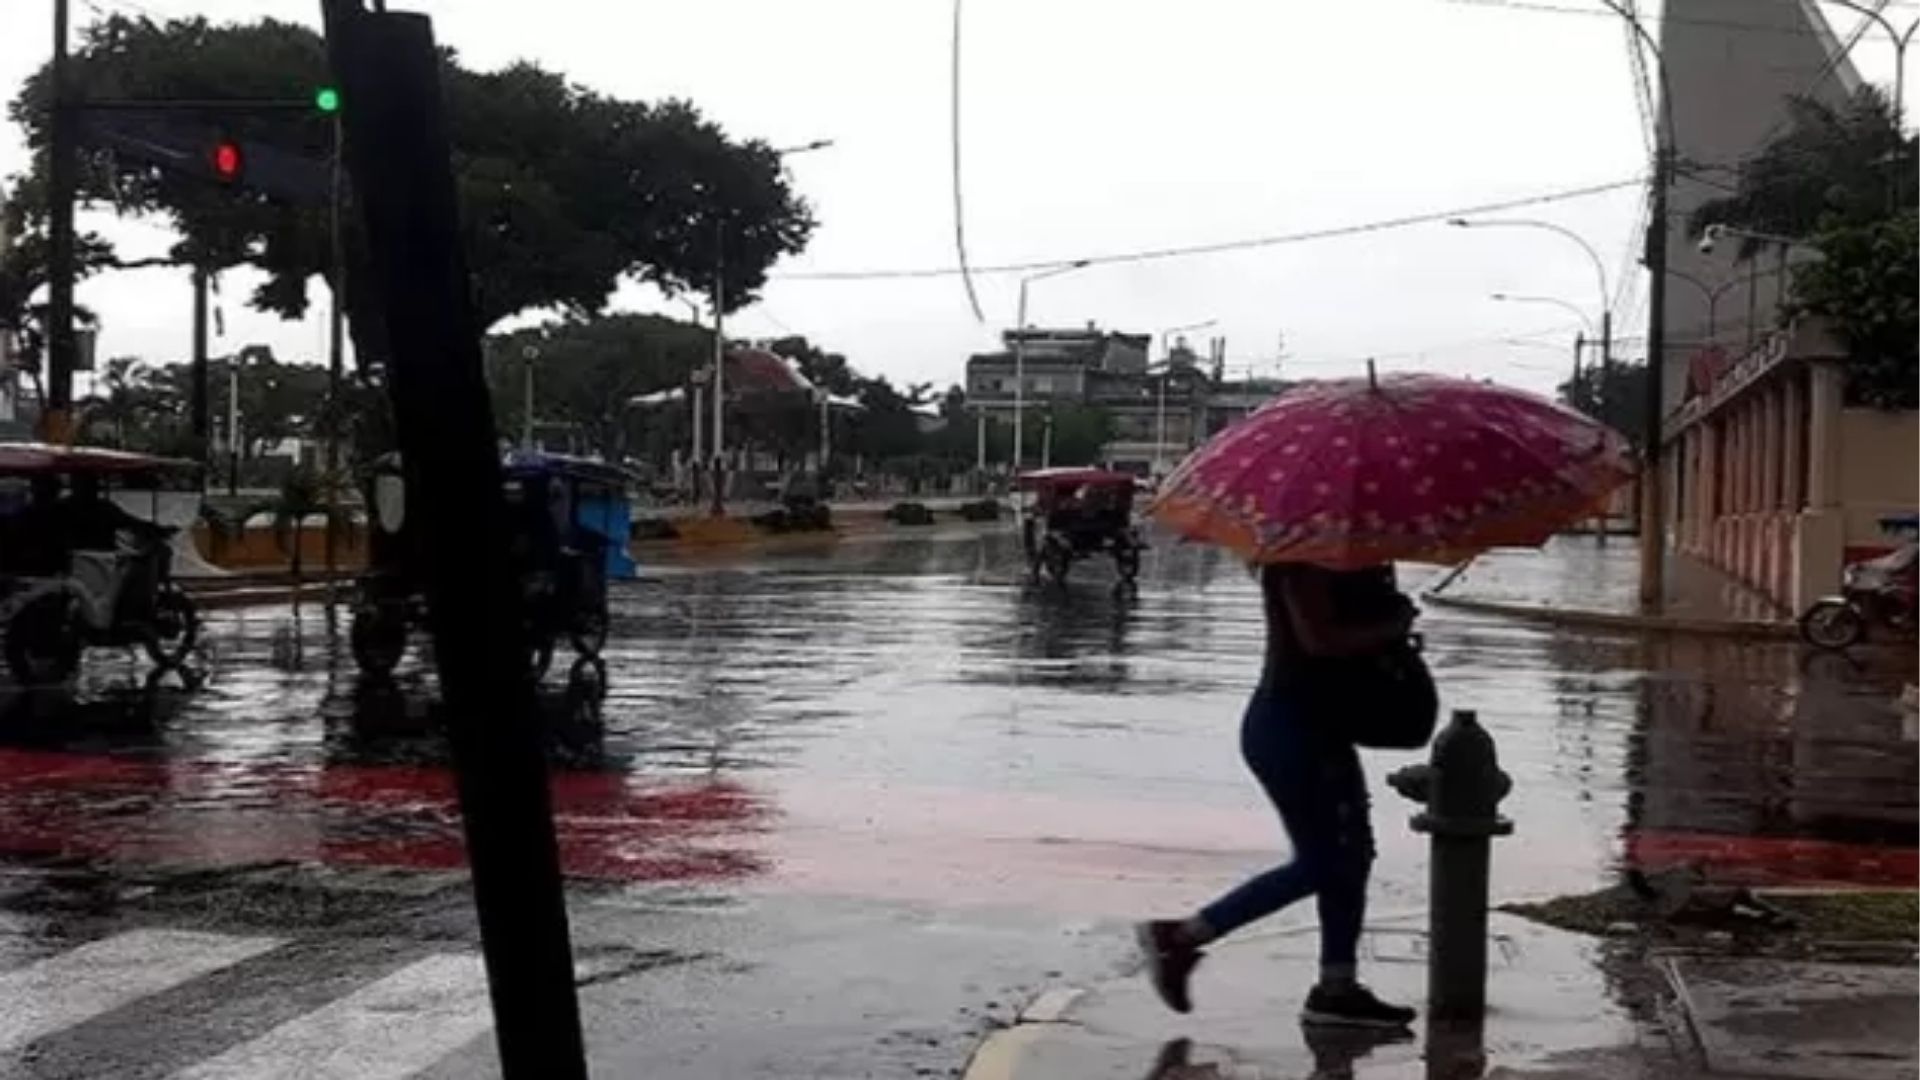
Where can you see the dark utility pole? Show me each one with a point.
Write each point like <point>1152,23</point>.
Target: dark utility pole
<point>1653,543</point>
<point>399,161</point>
<point>55,413</point>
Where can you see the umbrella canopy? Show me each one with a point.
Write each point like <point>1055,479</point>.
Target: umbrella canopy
<point>1358,472</point>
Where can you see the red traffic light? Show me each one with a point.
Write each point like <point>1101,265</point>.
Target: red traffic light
<point>226,160</point>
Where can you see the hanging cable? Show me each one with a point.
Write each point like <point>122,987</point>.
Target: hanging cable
<point>959,212</point>
<point>1151,254</point>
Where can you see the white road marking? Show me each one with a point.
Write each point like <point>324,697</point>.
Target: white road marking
<point>387,1030</point>
<point>104,975</point>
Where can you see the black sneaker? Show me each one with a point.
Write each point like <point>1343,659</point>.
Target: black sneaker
<point>1353,1005</point>
<point>1169,962</point>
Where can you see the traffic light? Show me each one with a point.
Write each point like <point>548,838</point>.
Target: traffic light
<point>327,99</point>
<point>227,161</point>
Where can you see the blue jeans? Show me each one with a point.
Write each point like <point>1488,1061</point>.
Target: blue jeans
<point>1314,781</point>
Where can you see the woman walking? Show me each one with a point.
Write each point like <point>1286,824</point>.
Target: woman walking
<point>1292,740</point>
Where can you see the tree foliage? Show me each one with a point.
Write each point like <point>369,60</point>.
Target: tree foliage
<point>1866,285</point>
<point>1832,165</point>
<point>1080,433</point>
<point>564,191</point>
<point>1844,178</point>
<point>1617,400</point>
<point>584,373</point>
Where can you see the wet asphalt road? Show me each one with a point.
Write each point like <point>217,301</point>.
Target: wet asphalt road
<point>840,810</point>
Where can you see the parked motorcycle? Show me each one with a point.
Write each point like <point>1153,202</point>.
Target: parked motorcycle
<point>116,598</point>
<point>1874,594</point>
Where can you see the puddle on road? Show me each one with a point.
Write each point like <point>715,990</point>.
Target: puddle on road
<point>910,718</point>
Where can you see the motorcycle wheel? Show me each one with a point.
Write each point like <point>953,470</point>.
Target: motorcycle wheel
<point>1832,624</point>
<point>378,641</point>
<point>43,646</point>
<point>176,628</point>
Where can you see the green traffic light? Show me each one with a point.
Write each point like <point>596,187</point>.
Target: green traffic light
<point>326,99</point>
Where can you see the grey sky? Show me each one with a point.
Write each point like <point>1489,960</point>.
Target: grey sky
<point>1091,126</point>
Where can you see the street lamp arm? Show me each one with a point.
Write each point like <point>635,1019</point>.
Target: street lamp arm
<point>1705,289</point>
<point>1862,9</point>
<point>1585,319</point>
<point>1599,264</point>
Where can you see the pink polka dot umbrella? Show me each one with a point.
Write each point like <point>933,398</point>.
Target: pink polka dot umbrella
<point>1357,472</point>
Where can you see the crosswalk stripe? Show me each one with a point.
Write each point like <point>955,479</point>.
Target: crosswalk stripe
<point>387,1030</point>
<point>104,975</point>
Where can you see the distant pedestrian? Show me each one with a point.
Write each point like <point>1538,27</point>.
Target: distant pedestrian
<point>1292,739</point>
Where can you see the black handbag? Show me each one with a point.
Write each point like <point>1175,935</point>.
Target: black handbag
<point>1384,700</point>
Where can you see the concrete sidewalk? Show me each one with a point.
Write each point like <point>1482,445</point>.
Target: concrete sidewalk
<point>1559,1005</point>
<point>1579,581</point>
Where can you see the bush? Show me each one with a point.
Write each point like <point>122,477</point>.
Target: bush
<point>981,510</point>
<point>909,513</point>
<point>797,516</point>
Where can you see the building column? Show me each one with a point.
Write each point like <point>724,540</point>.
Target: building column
<point>1793,490</point>
<point>1821,532</point>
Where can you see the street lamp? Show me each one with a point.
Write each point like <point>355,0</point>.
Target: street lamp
<point>720,341</point>
<point>1585,319</point>
<point>1599,269</point>
<point>1020,352</point>
<point>1170,331</point>
<point>1713,293</point>
<point>1900,42</point>
<point>1160,410</point>
<point>1713,234</point>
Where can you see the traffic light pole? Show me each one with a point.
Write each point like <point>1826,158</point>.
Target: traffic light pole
<point>198,367</point>
<point>395,135</point>
<point>336,361</point>
<point>56,410</point>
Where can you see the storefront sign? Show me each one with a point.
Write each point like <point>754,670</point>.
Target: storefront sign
<point>1724,382</point>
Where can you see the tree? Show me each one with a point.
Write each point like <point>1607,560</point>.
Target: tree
<point>1844,178</point>
<point>1833,165</point>
<point>1080,433</point>
<point>1865,284</point>
<point>563,191</point>
<point>1615,401</point>
<point>584,373</point>
<point>305,494</point>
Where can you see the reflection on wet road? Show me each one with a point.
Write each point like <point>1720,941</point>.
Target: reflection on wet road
<point>911,720</point>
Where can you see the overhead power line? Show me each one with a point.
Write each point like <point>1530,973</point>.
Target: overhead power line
<point>1220,247</point>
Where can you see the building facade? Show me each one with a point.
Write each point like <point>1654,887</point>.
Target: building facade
<point>1773,477</point>
<point>1769,473</point>
<point>1156,414</point>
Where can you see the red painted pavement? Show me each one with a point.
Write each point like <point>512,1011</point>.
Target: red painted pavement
<point>199,812</point>
<point>1776,860</point>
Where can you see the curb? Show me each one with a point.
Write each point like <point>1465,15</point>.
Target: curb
<point>999,1055</point>
<point>1606,620</point>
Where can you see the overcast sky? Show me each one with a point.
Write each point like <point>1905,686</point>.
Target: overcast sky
<point>1090,127</point>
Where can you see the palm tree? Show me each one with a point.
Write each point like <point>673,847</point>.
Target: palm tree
<point>306,493</point>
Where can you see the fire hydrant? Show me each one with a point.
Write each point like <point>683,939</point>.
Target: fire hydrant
<point>1461,787</point>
